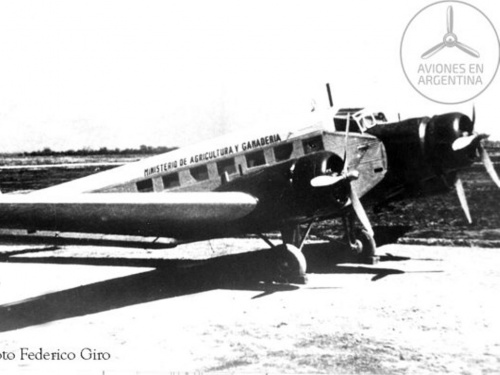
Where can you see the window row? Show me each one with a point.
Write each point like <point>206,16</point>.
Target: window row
<point>253,159</point>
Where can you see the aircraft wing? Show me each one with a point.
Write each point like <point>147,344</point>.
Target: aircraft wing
<point>174,215</point>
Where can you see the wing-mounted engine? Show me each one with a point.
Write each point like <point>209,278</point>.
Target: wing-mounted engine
<point>314,167</point>
<point>440,133</point>
<point>426,154</point>
<point>420,152</point>
<point>405,144</point>
<point>285,191</point>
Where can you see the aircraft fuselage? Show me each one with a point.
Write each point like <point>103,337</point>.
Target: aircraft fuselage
<point>274,167</point>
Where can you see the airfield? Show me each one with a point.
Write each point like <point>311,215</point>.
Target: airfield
<point>420,310</point>
<point>204,308</point>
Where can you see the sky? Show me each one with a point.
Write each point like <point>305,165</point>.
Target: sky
<point>77,74</point>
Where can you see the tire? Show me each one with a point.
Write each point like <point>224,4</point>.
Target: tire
<point>290,263</point>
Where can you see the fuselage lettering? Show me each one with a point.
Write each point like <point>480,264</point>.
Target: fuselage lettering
<point>214,154</point>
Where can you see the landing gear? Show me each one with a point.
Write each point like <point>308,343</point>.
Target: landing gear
<point>368,247</point>
<point>288,262</point>
<point>361,243</point>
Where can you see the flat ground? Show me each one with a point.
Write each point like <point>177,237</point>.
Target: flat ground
<point>423,310</point>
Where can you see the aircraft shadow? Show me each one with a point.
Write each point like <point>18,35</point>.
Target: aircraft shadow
<point>170,278</point>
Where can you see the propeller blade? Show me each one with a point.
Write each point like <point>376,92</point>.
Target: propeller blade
<point>326,180</point>
<point>488,164</point>
<point>360,212</point>
<point>469,50</point>
<point>462,198</point>
<point>356,203</point>
<point>433,50</point>
<point>463,142</point>
<point>449,19</point>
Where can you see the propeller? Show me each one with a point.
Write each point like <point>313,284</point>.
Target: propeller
<point>356,203</point>
<point>330,180</point>
<point>360,212</point>
<point>488,164</point>
<point>485,158</point>
<point>326,180</point>
<point>466,141</point>
<point>463,142</point>
<point>462,198</point>
<point>449,19</point>
<point>469,141</point>
<point>450,40</point>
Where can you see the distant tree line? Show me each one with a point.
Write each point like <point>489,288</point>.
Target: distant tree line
<point>142,150</point>
<point>491,144</point>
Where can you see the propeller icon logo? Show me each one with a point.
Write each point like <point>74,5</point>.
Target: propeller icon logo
<point>454,70</point>
<point>450,40</point>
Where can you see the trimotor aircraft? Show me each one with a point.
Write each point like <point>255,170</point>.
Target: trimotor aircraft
<point>255,183</point>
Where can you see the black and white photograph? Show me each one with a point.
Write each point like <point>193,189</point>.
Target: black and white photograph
<point>249,187</point>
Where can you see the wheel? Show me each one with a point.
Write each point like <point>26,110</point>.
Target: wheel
<point>291,264</point>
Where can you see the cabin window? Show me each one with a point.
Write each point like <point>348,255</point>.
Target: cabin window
<point>199,173</point>
<point>312,144</point>
<point>226,165</point>
<point>145,186</point>
<point>256,158</point>
<point>171,180</point>
<point>283,152</point>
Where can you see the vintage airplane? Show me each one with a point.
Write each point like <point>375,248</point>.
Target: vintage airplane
<point>254,183</point>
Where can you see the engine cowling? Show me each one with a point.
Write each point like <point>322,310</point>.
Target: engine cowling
<point>420,152</point>
<point>319,164</point>
<point>440,134</point>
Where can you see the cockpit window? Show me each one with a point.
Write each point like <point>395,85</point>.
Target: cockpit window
<point>313,144</point>
<point>341,124</point>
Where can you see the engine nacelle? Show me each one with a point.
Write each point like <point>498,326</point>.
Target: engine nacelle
<point>420,153</point>
<point>440,133</point>
<point>314,165</point>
